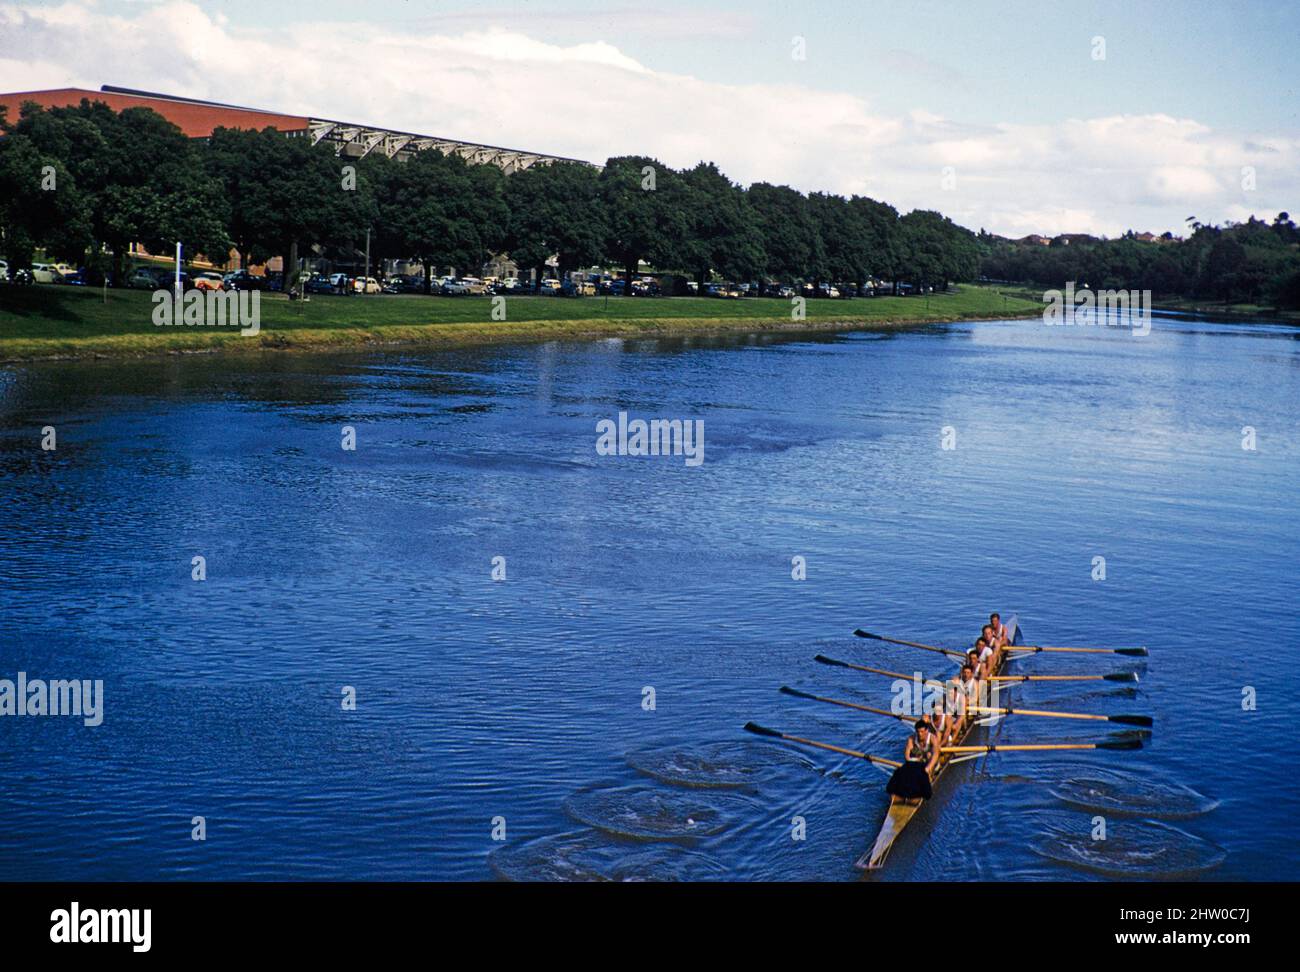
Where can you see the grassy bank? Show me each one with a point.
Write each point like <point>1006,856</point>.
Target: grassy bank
<point>1189,305</point>
<point>56,322</point>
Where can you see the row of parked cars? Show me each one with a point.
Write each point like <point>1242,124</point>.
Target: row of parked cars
<point>45,273</point>
<point>400,283</point>
<point>162,277</point>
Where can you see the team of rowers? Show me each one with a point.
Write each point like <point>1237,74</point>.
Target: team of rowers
<point>950,716</point>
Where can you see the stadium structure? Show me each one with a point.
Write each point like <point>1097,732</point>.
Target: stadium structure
<point>199,119</point>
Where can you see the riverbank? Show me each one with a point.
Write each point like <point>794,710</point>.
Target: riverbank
<point>1186,305</point>
<point>50,322</point>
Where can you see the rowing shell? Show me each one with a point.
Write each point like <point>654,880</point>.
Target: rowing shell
<point>901,812</point>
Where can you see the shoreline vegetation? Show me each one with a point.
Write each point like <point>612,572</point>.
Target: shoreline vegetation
<point>1237,311</point>
<point>62,323</point>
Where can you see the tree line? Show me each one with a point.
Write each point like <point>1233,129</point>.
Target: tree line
<point>84,182</point>
<point>1253,262</point>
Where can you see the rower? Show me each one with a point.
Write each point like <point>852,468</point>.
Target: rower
<point>942,720</point>
<point>990,638</point>
<point>969,687</point>
<point>911,781</point>
<point>956,700</point>
<point>999,630</point>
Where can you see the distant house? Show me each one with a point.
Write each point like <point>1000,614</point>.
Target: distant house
<point>1033,239</point>
<point>1065,239</point>
<point>1165,237</point>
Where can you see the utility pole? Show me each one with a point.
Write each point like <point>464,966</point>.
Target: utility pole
<point>365,286</point>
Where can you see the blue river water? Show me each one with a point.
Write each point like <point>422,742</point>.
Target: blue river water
<point>582,717</point>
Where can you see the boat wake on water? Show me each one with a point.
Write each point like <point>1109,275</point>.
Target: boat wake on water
<point>648,812</point>
<point>585,856</point>
<point>1133,795</point>
<point>736,765</point>
<point>1134,849</point>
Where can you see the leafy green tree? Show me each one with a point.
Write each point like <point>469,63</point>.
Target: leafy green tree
<point>791,242</point>
<point>40,202</point>
<point>286,195</point>
<point>140,176</point>
<point>554,210</point>
<point>645,218</point>
<point>443,211</point>
<point>723,232</point>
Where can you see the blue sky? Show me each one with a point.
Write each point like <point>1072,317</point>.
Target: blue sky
<point>995,113</point>
<point>1225,63</point>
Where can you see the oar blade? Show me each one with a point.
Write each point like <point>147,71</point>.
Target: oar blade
<point>787,690</point>
<point>829,661</point>
<point>1129,677</point>
<point>758,730</point>
<point>1132,720</point>
<point>1135,652</point>
<point>1126,743</point>
<point>867,634</point>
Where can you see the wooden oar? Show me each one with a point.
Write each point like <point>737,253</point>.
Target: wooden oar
<point>764,731</point>
<point>1111,677</point>
<point>1040,747</point>
<point>877,671</point>
<point>910,644</point>
<point>1126,720</point>
<point>787,690</point>
<point>1139,652</point>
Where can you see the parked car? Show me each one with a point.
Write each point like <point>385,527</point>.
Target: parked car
<point>209,281</point>
<point>550,287</point>
<point>76,279</point>
<point>366,285</point>
<point>243,280</point>
<point>467,286</point>
<point>319,284</point>
<point>578,288</point>
<point>4,271</point>
<point>511,284</point>
<point>44,272</point>
<point>402,283</point>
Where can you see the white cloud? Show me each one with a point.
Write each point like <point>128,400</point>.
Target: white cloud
<point>586,98</point>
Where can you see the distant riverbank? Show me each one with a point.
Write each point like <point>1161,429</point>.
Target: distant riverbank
<point>1185,305</point>
<point>53,322</point>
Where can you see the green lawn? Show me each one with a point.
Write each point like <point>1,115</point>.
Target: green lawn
<point>1191,304</point>
<point>49,320</point>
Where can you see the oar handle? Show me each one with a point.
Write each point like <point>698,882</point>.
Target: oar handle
<point>876,671</point>
<point>787,690</point>
<point>910,644</point>
<point>1127,720</point>
<point>1041,678</point>
<point>1043,747</point>
<point>1137,652</point>
<point>764,731</point>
